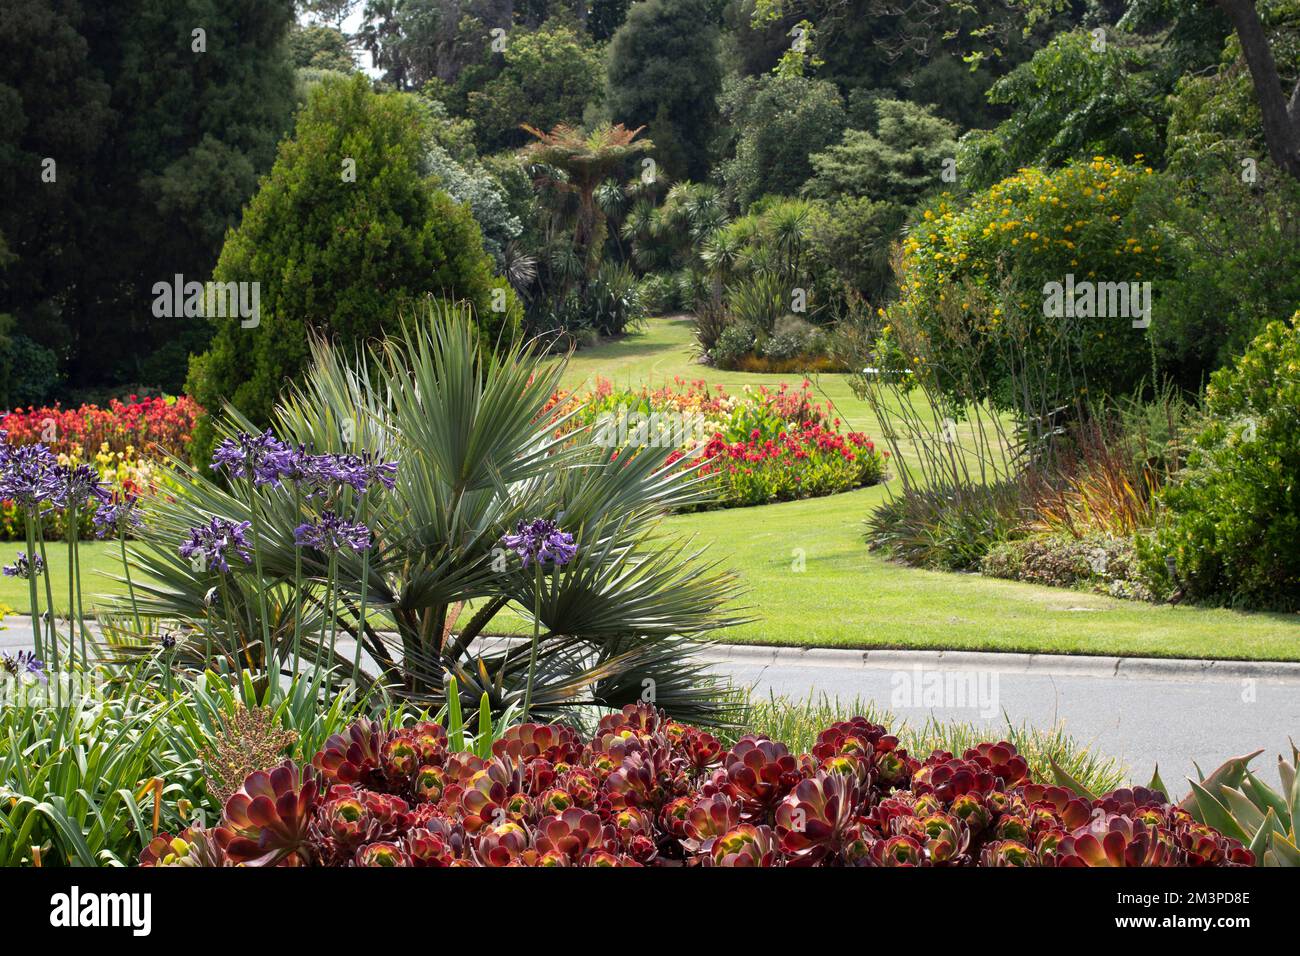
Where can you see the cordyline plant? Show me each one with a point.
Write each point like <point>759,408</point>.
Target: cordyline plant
<point>475,456</point>
<point>649,791</point>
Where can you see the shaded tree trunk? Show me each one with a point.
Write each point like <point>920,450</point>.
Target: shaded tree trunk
<point>1281,119</point>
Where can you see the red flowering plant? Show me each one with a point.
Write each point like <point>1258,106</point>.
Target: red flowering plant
<point>145,424</point>
<point>126,443</point>
<point>764,445</point>
<point>648,791</point>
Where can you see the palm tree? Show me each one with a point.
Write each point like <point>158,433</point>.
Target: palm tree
<point>477,453</point>
<point>584,161</point>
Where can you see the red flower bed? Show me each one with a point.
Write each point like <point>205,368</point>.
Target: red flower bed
<point>647,791</point>
<point>167,423</point>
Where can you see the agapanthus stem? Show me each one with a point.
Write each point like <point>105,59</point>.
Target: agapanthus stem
<point>81,609</point>
<point>537,631</point>
<point>71,517</point>
<point>31,583</point>
<point>130,588</point>
<point>297,582</point>
<point>365,589</point>
<point>49,605</point>
<point>257,565</point>
<point>333,604</point>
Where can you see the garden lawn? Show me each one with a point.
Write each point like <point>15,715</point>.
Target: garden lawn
<point>99,560</point>
<point>847,596</point>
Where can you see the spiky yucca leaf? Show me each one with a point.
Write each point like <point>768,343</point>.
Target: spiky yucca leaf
<point>476,454</point>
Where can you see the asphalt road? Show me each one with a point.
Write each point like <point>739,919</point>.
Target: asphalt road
<point>1142,712</point>
<point>1176,714</point>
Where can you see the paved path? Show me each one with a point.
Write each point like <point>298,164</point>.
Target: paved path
<point>1140,711</point>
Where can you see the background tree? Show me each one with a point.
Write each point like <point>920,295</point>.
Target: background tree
<point>1277,95</point>
<point>583,161</point>
<point>779,122</point>
<point>157,134</point>
<point>664,75</point>
<point>338,257</point>
<point>415,41</point>
<point>548,76</point>
<point>902,159</point>
<point>317,47</point>
<point>1072,101</point>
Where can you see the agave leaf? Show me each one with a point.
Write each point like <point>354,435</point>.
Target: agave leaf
<point>1213,813</point>
<point>1287,771</point>
<point>1284,851</point>
<point>1294,807</point>
<point>1242,810</point>
<point>1064,779</point>
<point>1230,773</point>
<point>455,723</point>
<point>484,742</point>
<point>1260,841</point>
<point>1264,796</point>
<point>1156,783</point>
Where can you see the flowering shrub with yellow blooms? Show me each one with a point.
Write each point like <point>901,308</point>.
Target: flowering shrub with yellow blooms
<point>994,255</point>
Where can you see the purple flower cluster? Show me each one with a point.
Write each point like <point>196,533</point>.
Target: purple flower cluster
<point>30,476</point>
<point>25,664</point>
<point>118,516</point>
<point>22,567</point>
<point>270,462</point>
<point>79,485</point>
<point>322,474</point>
<point>215,539</point>
<point>542,541</point>
<point>331,533</point>
<point>263,458</point>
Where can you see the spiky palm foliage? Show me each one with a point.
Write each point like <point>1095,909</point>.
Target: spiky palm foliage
<point>477,454</point>
<point>585,159</point>
<point>519,267</point>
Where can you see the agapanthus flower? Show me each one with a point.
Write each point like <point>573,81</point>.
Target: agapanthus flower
<point>118,516</point>
<point>25,664</point>
<point>29,476</point>
<point>23,567</point>
<point>324,473</point>
<point>263,458</point>
<point>331,533</point>
<point>79,485</point>
<point>541,540</point>
<point>370,471</point>
<point>215,540</point>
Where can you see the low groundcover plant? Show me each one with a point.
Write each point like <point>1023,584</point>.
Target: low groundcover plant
<point>648,791</point>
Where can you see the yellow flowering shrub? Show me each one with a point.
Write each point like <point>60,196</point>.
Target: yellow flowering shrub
<point>997,251</point>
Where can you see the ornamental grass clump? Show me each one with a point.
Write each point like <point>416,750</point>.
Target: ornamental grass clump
<point>646,790</point>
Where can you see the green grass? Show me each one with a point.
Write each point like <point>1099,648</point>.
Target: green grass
<point>845,596</point>
<point>99,559</point>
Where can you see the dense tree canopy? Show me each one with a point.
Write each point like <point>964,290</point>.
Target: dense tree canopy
<point>664,75</point>
<point>346,231</point>
<point>133,134</point>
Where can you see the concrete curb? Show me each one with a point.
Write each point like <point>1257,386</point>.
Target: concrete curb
<point>1074,665</point>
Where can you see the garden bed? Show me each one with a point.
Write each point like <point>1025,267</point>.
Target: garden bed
<point>645,790</point>
<point>764,445</point>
